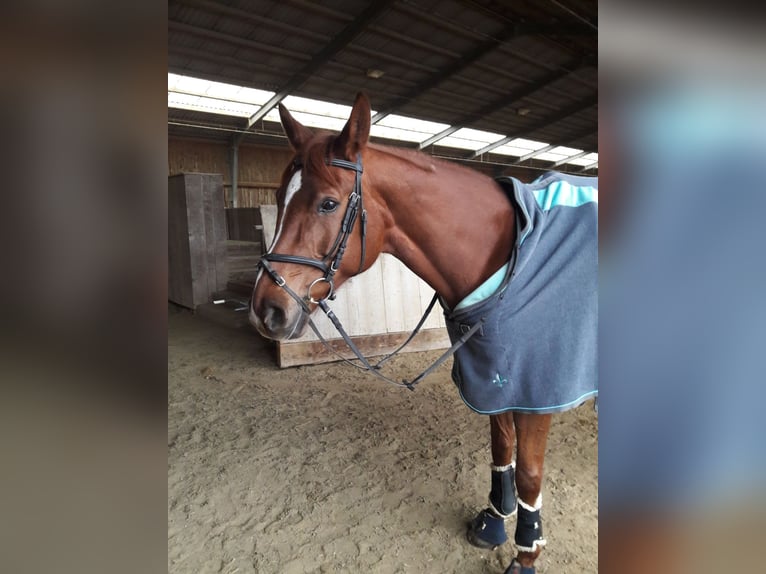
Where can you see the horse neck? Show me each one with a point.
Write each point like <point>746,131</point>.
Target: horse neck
<point>452,226</point>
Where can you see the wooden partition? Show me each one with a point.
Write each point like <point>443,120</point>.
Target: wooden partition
<point>196,238</point>
<point>378,308</point>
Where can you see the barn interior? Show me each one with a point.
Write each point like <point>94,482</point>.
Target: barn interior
<point>280,460</point>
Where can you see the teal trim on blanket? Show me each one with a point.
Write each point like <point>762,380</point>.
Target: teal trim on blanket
<point>563,193</point>
<point>484,290</point>
<point>537,410</point>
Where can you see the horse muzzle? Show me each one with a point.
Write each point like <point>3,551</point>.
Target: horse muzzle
<point>275,321</point>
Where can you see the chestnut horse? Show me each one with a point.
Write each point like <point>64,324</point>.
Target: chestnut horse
<point>411,203</point>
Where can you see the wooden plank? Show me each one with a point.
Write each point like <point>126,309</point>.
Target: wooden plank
<point>179,262</point>
<point>370,313</point>
<point>392,294</point>
<point>196,222</point>
<point>313,352</point>
<point>196,238</point>
<point>215,231</point>
<point>412,308</point>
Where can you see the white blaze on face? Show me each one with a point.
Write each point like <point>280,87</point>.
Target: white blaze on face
<point>292,188</point>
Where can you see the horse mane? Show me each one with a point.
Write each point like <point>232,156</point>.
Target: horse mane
<point>414,157</point>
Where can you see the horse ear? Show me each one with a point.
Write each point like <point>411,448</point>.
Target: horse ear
<point>356,132</point>
<point>297,134</point>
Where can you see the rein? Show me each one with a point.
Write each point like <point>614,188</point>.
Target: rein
<point>338,249</point>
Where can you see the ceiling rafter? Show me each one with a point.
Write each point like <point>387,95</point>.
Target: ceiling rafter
<point>473,34</point>
<point>455,68</point>
<point>504,57</point>
<point>175,26</point>
<point>499,104</point>
<point>248,16</point>
<point>351,31</point>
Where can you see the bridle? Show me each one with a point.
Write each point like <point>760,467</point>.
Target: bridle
<point>335,257</point>
<point>331,262</point>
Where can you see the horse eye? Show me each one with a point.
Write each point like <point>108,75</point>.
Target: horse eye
<point>328,206</point>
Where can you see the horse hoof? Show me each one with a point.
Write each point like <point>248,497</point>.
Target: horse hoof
<point>517,568</point>
<point>486,531</point>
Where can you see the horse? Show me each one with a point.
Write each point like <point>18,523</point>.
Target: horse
<point>344,200</point>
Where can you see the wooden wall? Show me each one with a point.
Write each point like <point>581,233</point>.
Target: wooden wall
<point>260,168</point>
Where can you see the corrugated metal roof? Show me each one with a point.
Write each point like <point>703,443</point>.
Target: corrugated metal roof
<point>522,68</point>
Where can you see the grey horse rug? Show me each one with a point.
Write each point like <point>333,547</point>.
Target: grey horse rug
<point>536,351</point>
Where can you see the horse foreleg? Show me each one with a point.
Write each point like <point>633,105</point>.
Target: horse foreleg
<point>487,530</point>
<point>531,438</point>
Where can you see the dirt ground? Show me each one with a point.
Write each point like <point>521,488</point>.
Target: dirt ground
<point>325,469</point>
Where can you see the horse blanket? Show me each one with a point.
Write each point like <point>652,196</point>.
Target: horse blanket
<point>536,350</point>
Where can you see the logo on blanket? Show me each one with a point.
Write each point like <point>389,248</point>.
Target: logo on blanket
<point>499,381</point>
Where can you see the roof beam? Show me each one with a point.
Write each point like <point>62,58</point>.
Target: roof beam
<point>570,110</point>
<point>250,16</point>
<point>534,153</point>
<point>472,34</point>
<point>346,36</point>
<point>500,103</point>
<point>455,68</point>
<point>436,137</point>
<point>234,40</point>
<point>245,65</point>
<point>589,167</point>
<point>492,146</point>
<point>582,19</point>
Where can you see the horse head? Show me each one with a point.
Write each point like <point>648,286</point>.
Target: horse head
<point>322,236</point>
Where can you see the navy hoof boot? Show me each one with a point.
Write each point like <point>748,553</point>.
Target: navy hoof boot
<point>517,568</point>
<point>487,530</point>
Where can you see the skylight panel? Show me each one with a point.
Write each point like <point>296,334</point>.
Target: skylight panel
<point>566,151</point>
<point>319,121</point>
<point>412,124</point>
<point>529,145</point>
<point>402,128</point>
<point>467,138</point>
<point>398,134</point>
<point>550,156</point>
<point>585,160</point>
<point>210,105</point>
<point>200,87</point>
<point>314,113</point>
<point>520,147</point>
<point>188,84</point>
<point>316,107</point>
<point>196,94</point>
<point>558,153</point>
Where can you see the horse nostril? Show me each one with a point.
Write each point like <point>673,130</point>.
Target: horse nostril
<point>274,317</point>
